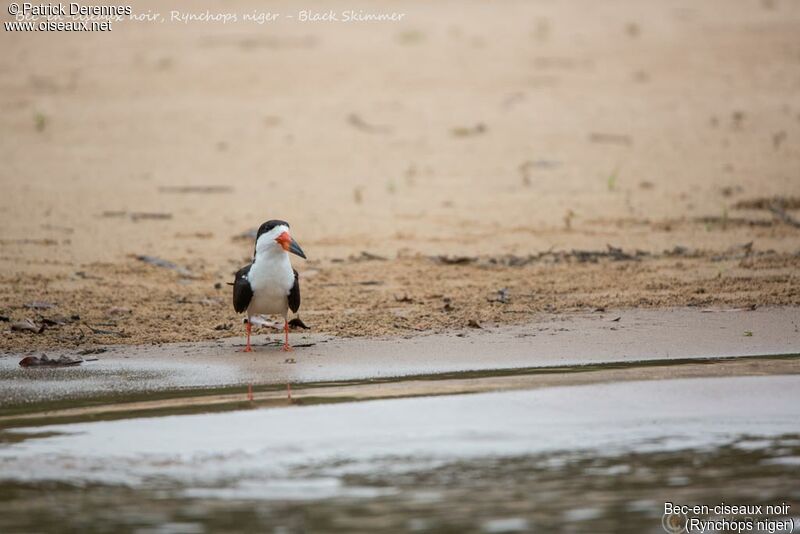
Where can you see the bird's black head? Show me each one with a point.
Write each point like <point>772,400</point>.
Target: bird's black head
<point>280,235</point>
<point>269,225</point>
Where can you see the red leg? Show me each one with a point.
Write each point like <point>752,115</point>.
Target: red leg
<point>248,348</point>
<point>286,346</point>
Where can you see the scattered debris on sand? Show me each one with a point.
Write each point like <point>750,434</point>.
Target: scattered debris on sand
<point>104,332</point>
<point>137,216</point>
<point>39,305</point>
<point>455,260</point>
<point>298,323</point>
<point>54,321</point>
<point>594,256</point>
<point>45,361</point>
<point>158,262</point>
<point>513,260</point>
<point>781,214</point>
<point>527,168</point>
<point>27,325</point>
<point>85,276</point>
<point>501,296</point>
<point>465,131</point>
<point>768,203</point>
<point>247,235</point>
<point>609,138</point>
<point>367,256</point>
<point>204,189</point>
<point>96,350</point>
<point>448,304</point>
<point>142,216</point>
<point>26,241</point>
<point>357,122</point>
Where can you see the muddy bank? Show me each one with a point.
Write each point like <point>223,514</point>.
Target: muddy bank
<point>556,340</point>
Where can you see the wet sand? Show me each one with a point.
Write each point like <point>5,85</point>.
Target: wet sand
<point>193,373</point>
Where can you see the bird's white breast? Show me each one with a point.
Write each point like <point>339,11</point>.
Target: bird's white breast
<point>271,278</point>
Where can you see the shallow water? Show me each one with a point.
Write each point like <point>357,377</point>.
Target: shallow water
<point>590,458</point>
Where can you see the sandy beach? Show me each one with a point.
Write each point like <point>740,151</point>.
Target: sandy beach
<point>467,165</point>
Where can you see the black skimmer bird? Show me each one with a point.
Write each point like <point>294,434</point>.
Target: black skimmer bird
<point>269,285</point>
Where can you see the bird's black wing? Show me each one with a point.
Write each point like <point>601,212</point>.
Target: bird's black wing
<point>294,294</point>
<point>242,292</point>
